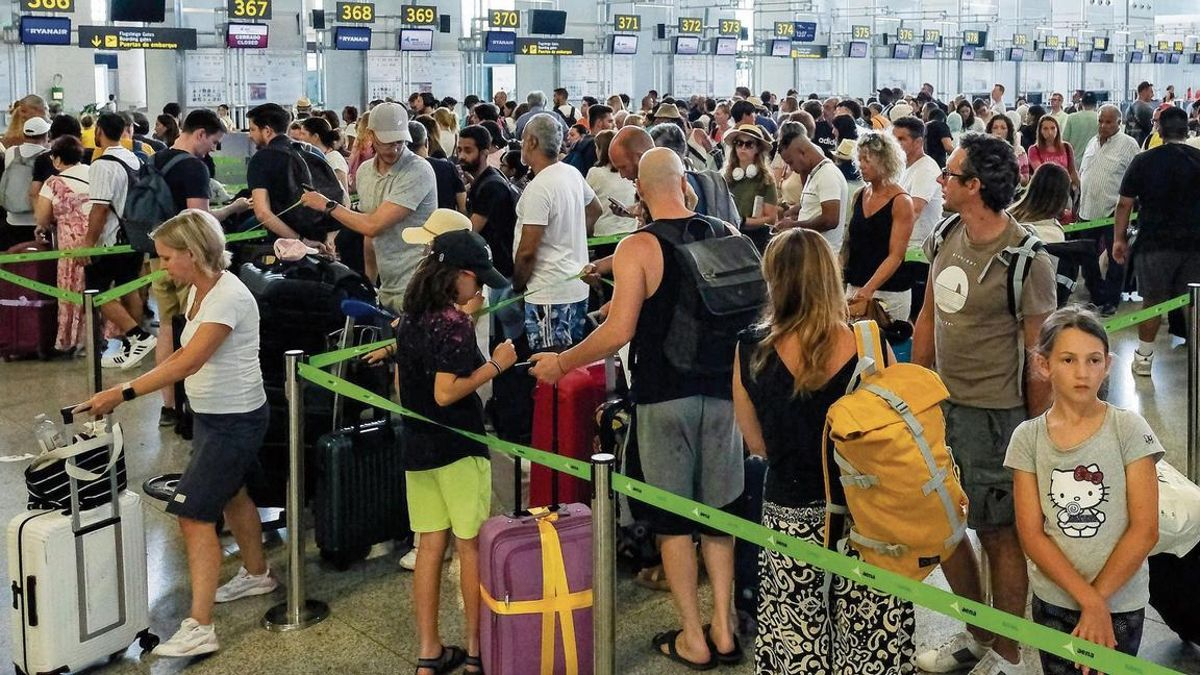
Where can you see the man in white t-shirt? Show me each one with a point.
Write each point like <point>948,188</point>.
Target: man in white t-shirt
<point>825,197</point>
<point>555,215</point>
<point>920,178</point>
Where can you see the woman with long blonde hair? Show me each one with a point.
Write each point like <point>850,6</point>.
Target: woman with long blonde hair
<point>788,371</point>
<point>447,130</point>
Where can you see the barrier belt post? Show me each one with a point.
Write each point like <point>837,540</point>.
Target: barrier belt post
<point>298,612</point>
<point>91,328</point>
<point>604,566</point>
<point>1193,383</point>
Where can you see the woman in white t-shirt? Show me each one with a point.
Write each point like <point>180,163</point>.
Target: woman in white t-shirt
<point>218,362</point>
<point>609,184</point>
<point>317,132</point>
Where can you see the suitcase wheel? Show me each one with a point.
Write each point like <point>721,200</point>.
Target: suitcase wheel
<point>147,641</point>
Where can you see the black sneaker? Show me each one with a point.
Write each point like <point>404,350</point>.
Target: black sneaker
<point>167,417</point>
<point>1108,309</point>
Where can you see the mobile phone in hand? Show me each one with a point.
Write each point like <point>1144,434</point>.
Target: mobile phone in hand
<point>618,208</point>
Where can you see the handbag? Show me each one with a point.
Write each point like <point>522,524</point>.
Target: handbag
<point>869,310</point>
<point>1178,512</point>
<point>95,453</point>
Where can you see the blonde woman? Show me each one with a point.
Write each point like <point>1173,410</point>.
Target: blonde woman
<point>787,371</point>
<point>447,130</point>
<point>218,362</point>
<point>880,224</point>
<point>751,182</point>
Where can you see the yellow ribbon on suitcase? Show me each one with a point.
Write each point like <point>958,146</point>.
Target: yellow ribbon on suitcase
<point>557,599</point>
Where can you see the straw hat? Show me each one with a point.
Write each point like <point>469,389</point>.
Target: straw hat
<point>668,111</point>
<point>751,131</point>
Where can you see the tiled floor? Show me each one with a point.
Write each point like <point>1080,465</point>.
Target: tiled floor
<point>371,628</point>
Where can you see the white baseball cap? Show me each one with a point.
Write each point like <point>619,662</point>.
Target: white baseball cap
<point>389,123</point>
<point>36,126</point>
<point>438,222</point>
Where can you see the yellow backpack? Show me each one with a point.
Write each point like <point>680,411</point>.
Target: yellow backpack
<point>907,507</point>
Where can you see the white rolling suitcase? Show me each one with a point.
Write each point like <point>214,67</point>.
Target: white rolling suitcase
<point>78,578</point>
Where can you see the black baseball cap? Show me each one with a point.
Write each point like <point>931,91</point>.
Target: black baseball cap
<point>468,250</point>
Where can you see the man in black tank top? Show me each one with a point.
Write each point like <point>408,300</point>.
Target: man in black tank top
<point>690,443</point>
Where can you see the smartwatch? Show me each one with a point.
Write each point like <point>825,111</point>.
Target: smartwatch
<point>331,205</point>
<point>127,392</point>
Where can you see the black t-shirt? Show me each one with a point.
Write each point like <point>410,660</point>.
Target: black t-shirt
<point>824,138</point>
<point>792,427</point>
<point>269,170</point>
<point>438,342</point>
<point>654,378</point>
<point>188,179</point>
<point>1164,181</point>
<point>490,196</point>
<point>934,133</point>
<point>449,183</point>
<point>43,168</point>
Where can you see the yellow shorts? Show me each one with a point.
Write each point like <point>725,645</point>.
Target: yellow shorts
<point>170,296</point>
<point>457,497</point>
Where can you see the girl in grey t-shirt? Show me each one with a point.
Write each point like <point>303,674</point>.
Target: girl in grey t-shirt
<point>1086,495</point>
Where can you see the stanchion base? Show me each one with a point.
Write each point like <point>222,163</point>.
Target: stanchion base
<point>276,619</point>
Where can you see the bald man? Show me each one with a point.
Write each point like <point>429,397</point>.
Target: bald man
<point>689,443</point>
<point>705,191</point>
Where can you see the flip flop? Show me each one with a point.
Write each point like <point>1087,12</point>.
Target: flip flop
<point>668,638</point>
<point>447,662</point>
<point>730,658</point>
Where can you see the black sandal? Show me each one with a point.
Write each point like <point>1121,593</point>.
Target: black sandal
<point>730,658</point>
<point>473,662</point>
<point>448,661</point>
<point>668,638</point>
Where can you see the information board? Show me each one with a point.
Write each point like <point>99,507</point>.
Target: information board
<point>45,30</point>
<point>249,9</point>
<point>356,12</point>
<point>529,46</point>
<point>122,37</point>
<point>690,25</point>
<point>48,6</point>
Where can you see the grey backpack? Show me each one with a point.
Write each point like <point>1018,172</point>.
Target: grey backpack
<point>14,184</point>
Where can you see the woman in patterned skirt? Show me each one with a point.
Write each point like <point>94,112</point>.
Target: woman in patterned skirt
<point>789,370</point>
<point>62,206</point>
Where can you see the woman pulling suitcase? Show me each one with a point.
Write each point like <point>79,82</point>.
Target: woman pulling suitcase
<point>218,362</point>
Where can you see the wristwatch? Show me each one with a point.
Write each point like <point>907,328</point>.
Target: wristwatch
<point>127,392</point>
<point>331,205</point>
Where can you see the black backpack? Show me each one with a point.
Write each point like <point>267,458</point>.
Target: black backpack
<point>148,201</point>
<point>722,292</point>
<point>308,168</point>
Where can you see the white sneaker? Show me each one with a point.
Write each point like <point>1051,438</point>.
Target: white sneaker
<point>115,359</point>
<point>1142,363</point>
<point>191,639</point>
<point>244,585</point>
<point>137,350</point>
<point>994,664</point>
<point>960,651</point>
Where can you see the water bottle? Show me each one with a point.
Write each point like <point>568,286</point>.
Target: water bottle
<point>47,433</point>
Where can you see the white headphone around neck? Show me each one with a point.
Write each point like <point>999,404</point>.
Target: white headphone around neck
<point>749,172</point>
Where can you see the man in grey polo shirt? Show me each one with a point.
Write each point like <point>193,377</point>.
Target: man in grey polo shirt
<point>396,190</point>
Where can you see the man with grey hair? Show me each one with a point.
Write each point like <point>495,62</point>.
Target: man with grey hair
<point>555,215</point>
<point>690,443</point>
<point>1101,169</point>
<point>537,104</point>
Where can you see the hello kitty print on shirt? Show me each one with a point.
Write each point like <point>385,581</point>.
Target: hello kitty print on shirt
<point>1078,494</point>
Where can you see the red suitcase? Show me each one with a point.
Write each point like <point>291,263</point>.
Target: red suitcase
<point>564,422</point>
<point>28,319</point>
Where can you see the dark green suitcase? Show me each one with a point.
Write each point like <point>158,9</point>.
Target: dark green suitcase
<point>359,496</point>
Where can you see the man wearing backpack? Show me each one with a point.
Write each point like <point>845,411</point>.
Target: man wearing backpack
<point>17,187</point>
<point>186,178</point>
<point>685,425</point>
<point>109,179</point>
<point>269,173</point>
<point>975,337</point>
<point>565,110</point>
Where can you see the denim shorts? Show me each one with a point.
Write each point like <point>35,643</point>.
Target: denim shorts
<point>224,452</point>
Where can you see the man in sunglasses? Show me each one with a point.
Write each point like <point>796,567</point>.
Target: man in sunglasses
<point>976,341</point>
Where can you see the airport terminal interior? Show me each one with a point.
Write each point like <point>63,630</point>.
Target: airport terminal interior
<point>680,63</point>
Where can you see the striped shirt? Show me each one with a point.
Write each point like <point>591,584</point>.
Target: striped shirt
<point>1100,173</point>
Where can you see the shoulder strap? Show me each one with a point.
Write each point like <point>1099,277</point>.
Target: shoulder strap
<point>871,355</point>
<point>1019,259</point>
<point>173,162</point>
<point>942,231</point>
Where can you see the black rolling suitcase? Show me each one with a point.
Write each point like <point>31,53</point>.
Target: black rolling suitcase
<point>359,497</point>
<point>745,554</point>
<point>1175,592</point>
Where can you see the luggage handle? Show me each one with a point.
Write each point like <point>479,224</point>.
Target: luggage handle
<point>31,609</point>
